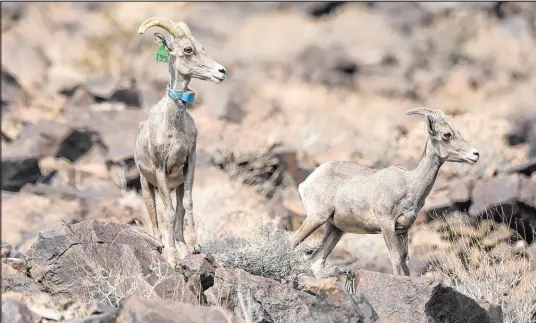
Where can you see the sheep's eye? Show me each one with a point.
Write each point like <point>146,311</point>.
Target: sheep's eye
<point>447,136</point>
<point>188,50</point>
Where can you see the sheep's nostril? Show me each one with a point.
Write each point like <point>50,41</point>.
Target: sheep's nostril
<point>476,153</point>
<point>222,70</point>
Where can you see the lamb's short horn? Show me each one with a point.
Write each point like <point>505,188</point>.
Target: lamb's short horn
<point>438,115</point>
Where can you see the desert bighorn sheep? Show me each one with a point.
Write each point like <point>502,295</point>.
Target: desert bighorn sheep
<point>166,142</point>
<point>351,198</point>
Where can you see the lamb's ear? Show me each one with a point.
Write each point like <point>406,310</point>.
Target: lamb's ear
<point>430,125</point>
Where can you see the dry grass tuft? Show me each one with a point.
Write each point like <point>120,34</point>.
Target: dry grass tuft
<point>501,274</point>
<point>267,253</point>
<point>263,171</point>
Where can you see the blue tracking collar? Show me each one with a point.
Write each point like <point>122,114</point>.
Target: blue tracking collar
<point>186,96</point>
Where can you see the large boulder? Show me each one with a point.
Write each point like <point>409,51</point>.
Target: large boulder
<point>16,312</point>
<point>19,171</point>
<point>25,214</point>
<point>405,299</point>
<point>137,309</point>
<point>15,281</point>
<point>265,300</point>
<point>522,129</point>
<point>20,159</point>
<point>100,260</point>
<point>510,198</point>
<point>108,89</point>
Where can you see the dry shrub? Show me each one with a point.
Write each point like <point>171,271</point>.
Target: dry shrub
<point>263,171</point>
<point>267,253</point>
<point>498,274</point>
<point>100,277</point>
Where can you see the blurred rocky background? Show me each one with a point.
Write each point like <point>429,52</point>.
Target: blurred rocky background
<point>308,83</point>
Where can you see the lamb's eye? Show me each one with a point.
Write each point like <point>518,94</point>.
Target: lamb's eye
<point>447,136</point>
<point>188,50</point>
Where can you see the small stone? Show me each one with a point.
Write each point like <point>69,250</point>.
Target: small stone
<point>6,249</point>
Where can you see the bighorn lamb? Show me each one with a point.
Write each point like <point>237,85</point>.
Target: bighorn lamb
<point>166,142</point>
<point>351,198</point>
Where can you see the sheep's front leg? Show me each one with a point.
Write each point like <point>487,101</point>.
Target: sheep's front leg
<point>147,191</point>
<point>179,222</point>
<point>187,200</point>
<point>398,247</point>
<point>315,218</point>
<point>168,225</point>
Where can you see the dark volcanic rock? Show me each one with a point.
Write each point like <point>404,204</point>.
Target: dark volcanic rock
<point>46,138</point>
<point>6,249</point>
<point>98,318</point>
<point>499,193</point>
<point>510,198</point>
<point>12,93</point>
<point>523,129</point>
<point>16,312</point>
<point>269,301</point>
<point>526,169</point>
<point>102,89</point>
<point>136,309</point>
<point>16,172</point>
<point>16,281</point>
<point>82,260</point>
<point>328,66</point>
<point>203,265</point>
<point>405,299</point>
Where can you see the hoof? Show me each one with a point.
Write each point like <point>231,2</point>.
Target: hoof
<point>157,235</point>
<point>170,254</point>
<point>192,241</point>
<point>321,270</point>
<point>307,257</point>
<point>182,250</point>
<point>196,249</point>
<point>318,268</point>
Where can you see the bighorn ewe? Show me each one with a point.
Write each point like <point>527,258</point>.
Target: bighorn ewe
<point>351,198</point>
<point>166,142</point>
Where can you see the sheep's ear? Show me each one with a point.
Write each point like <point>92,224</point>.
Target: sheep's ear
<point>430,125</point>
<point>160,40</point>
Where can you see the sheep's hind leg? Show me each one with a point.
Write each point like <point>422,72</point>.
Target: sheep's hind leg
<point>329,241</point>
<point>315,218</point>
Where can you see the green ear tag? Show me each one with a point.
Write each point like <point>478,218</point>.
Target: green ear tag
<point>162,54</point>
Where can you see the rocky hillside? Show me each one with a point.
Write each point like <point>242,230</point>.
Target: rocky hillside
<point>307,83</point>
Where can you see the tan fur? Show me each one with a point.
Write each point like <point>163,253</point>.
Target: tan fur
<point>166,142</point>
<point>348,197</point>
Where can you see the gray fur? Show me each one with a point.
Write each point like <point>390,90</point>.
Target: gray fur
<point>165,150</point>
<point>351,198</point>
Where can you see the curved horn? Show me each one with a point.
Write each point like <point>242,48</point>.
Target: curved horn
<point>438,115</point>
<point>165,24</point>
<point>181,25</point>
